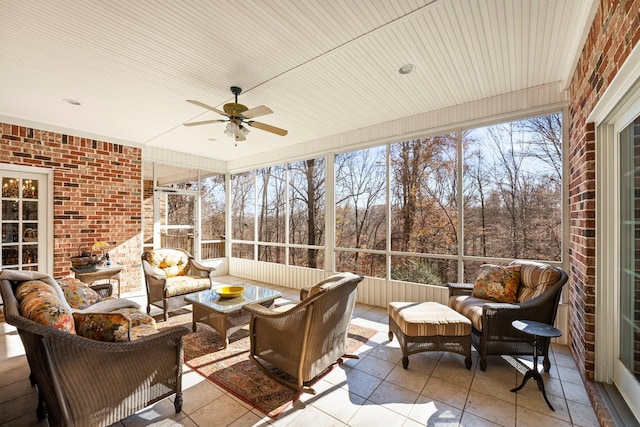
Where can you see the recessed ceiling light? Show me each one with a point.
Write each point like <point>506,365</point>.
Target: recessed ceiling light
<point>71,101</point>
<point>406,69</point>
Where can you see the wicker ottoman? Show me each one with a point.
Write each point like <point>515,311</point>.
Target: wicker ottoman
<point>429,326</point>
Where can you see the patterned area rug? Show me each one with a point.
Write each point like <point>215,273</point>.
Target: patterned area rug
<point>232,370</point>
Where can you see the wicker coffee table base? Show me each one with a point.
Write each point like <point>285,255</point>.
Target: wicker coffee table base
<point>412,345</point>
<point>224,323</point>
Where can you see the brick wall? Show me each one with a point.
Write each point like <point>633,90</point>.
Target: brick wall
<point>96,194</point>
<point>614,33</point>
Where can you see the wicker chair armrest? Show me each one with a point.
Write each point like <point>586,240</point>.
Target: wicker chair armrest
<point>201,269</point>
<point>261,311</point>
<point>304,292</point>
<point>149,271</point>
<point>456,289</point>
<point>153,276</point>
<point>164,336</point>
<point>492,308</point>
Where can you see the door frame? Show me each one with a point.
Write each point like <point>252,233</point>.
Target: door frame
<point>618,106</point>
<point>47,204</point>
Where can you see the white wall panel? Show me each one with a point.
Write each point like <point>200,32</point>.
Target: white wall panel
<point>372,291</point>
<point>183,159</point>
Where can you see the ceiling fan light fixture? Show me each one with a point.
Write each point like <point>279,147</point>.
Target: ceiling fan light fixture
<point>230,130</point>
<point>406,69</point>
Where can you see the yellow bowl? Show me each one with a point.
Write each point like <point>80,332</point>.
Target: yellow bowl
<point>229,291</point>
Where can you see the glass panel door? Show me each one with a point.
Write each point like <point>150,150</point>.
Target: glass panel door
<point>627,368</point>
<point>23,221</point>
<point>177,221</point>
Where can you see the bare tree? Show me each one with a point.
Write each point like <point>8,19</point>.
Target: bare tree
<point>360,188</point>
<point>513,186</point>
<point>307,205</point>
<point>243,205</point>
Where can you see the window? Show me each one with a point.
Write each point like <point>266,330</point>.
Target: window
<point>290,205</point>
<point>212,214</point>
<point>513,189</point>
<point>422,210</point>
<point>361,212</point>
<point>307,212</point>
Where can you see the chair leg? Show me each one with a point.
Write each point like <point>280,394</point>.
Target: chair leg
<point>298,387</point>
<point>483,363</point>
<point>177,404</point>
<point>41,410</point>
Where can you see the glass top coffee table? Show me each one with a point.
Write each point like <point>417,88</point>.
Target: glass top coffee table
<point>226,315</point>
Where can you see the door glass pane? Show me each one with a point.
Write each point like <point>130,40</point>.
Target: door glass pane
<point>9,210</point>
<point>630,248</point>
<point>29,189</point>
<point>10,187</point>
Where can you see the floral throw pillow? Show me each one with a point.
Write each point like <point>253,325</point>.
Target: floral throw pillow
<point>40,303</point>
<point>497,283</point>
<point>78,294</point>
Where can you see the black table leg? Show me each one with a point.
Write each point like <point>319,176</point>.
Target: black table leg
<point>533,373</point>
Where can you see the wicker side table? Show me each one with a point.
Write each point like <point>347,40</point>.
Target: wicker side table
<point>94,274</point>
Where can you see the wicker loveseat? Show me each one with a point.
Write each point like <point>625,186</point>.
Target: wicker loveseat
<point>170,274</point>
<point>83,381</point>
<point>304,339</point>
<point>537,293</point>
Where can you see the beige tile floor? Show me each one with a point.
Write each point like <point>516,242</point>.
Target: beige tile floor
<point>373,390</point>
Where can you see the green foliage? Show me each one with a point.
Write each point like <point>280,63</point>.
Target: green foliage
<point>415,271</point>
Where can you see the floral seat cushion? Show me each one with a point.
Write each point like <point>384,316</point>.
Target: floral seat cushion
<point>123,324</point>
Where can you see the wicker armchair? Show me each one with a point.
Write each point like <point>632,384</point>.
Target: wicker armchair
<point>169,275</point>
<point>84,382</point>
<point>302,340</point>
<point>492,332</point>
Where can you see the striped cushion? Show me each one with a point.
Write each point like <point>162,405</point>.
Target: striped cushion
<point>428,319</point>
<point>535,278</point>
<point>470,307</point>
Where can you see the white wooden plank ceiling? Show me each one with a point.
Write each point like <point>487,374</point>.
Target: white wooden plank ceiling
<point>324,66</point>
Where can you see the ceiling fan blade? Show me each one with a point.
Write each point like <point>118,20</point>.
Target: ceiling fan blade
<point>205,122</point>
<point>208,107</point>
<point>258,111</point>
<point>268,128</point>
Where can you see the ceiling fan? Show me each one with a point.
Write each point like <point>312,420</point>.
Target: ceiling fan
<point>237,117</point>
